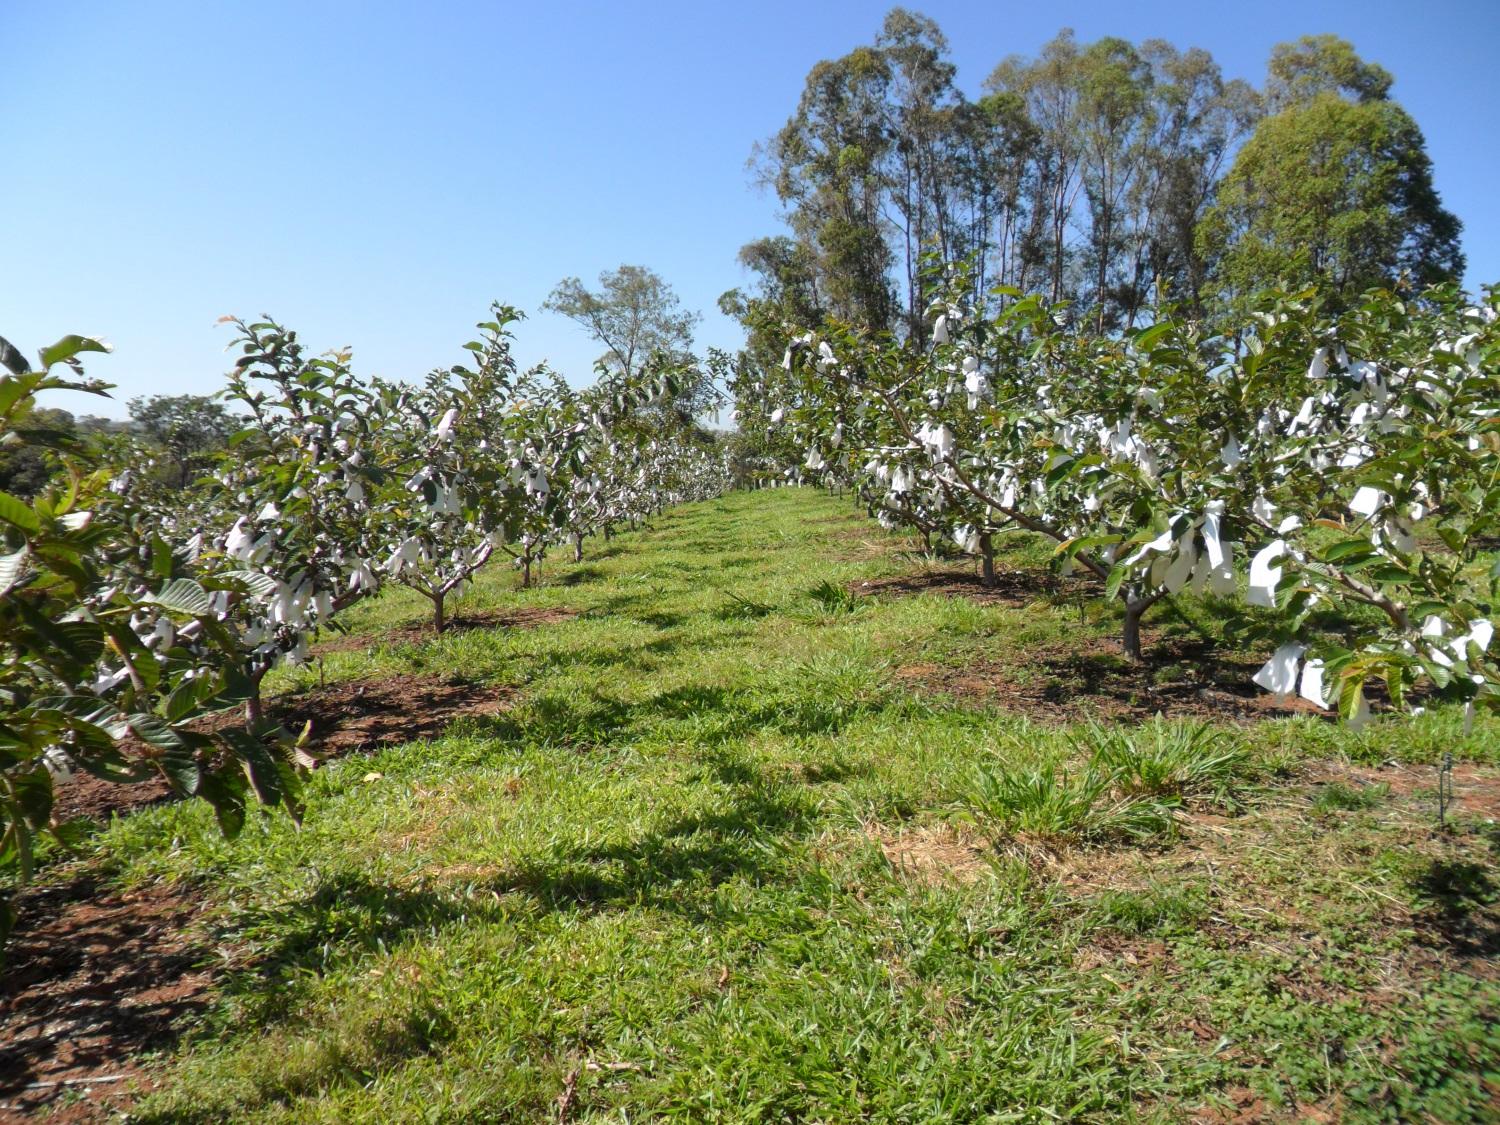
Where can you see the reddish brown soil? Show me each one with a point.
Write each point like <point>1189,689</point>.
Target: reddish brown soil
<point>345,717</point>
<point>96,979</point>
<point>1011,588</point>
<point>1476,789</point>
<point>1065,682</point>
<point>1061,683</point>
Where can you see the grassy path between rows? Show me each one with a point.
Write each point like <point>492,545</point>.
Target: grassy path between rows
<point>721,858</point>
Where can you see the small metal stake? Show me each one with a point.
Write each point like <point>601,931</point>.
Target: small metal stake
<point>1445,789</point>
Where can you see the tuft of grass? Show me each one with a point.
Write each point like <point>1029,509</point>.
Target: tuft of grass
<point>743,608</point>
<point>1131,786</point>
<point>1338,797</point>
<point>1166,759</point>
<point>1157,908</point>
<point>1049,806</point>
<point>834,599</point>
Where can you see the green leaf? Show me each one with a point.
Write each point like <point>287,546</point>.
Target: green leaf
<point>70,346</point>
<point>32,790</point>
<point>1349,549</point>
<point>152,731</point>
<point>185,699</point>
<point>110,765</point>
<point>1440,676</point>
<point>13,389</point>
<point>184,596</point>
<point>1116,578</point>
<point>19,513</point>
<point>1146,339</point>
<point>227,796</point>
<point>253,582</point>
<point>182,770</point>
<point>1351,691</point>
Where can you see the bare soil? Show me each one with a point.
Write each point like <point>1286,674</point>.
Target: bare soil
<point>1012,587</point>
<point>347,716</point>
<point>1064,683</point>
<point>94,980</point>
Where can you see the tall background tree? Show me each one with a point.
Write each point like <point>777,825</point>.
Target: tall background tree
<point>636,315</point>
<point>189,429</point>
<point>1111,175</point>
<point>1335,187</point>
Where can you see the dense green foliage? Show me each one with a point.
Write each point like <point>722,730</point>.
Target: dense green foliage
<point>1298,455</point>
<point>1331,192</point>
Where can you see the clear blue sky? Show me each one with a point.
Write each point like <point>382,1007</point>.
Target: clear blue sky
<point>373,174</point>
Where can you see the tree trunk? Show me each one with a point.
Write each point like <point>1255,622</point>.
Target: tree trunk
<point>609,532</point>
<point>439,621</point>
<point>254,711</point>
<point>578,548</point>
<point>986,561</point>
<point>1130,639</point>
<point>526,572</point>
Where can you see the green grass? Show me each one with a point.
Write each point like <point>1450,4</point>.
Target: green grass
<point>657,881</point>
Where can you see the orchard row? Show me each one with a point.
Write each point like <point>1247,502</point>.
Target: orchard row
<point>132,605</point>
<point>1336,476</point>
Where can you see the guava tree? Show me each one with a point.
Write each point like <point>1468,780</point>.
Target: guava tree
<point>447,501</point>
<point>111,643</point>
<point>295,493</point>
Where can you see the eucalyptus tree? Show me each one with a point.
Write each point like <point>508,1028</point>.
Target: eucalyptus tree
<point>1313,65</point>
<point>636,315</point>
<point>1197,122</point>
<point>923,144</point>
<point>633,313</point>
<point>827,167</point>
<point>1049,89</point>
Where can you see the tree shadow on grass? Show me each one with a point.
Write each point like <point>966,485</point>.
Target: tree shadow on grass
<point>1460,907</point>
<point>673,868</point>
<point>710,717</point>
<point>661,620</point>
<point>345,916</point>
<point>579,575</point>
